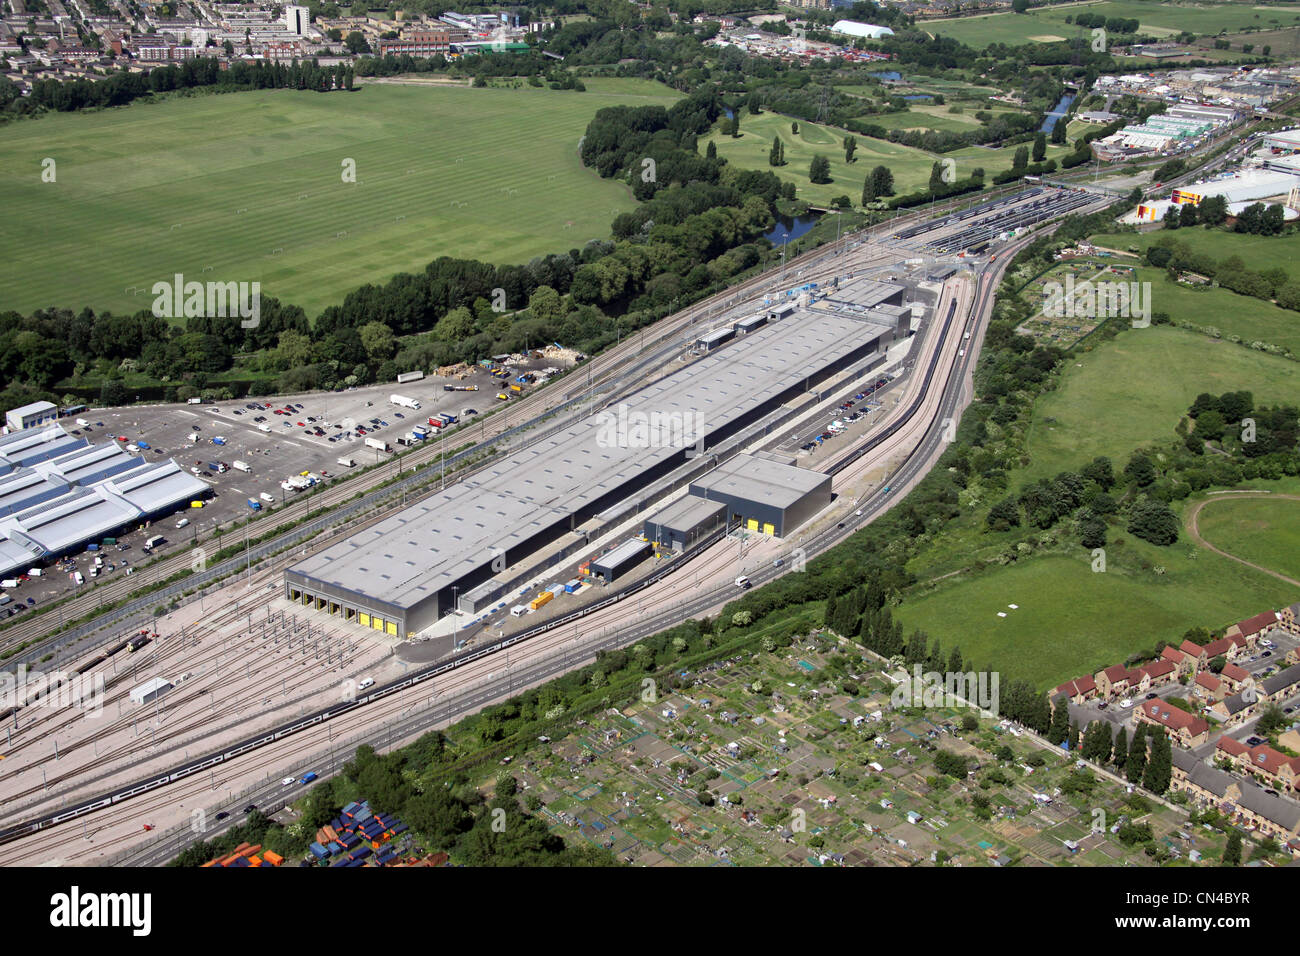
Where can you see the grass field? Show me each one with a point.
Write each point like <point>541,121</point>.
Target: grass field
<point>1072,620</point>
<point>1258,252</point>
<point>1256,529</point>
<point>248,187</point>
<point>1134,389</point>
<point>926,117</point>
<point>1156,18</point>
<point>911,167</point>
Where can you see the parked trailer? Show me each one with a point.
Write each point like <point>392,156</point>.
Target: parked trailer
<point>447,418</point>
<point>403,401</point>
<point>460,388</point>
<point>405,377</point>
<point>254,504</point>
<point>242,466</point>
<point>347,462</point>
<point>377,444</point>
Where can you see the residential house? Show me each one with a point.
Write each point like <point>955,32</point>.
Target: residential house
<point>1230,646</point>
<point>1208,687</point>
<point>1289,619</point>
<point>1187,730</point>
<point>1154,675</point>
<point>1282,685</point>
<point>1186,665</point>
<point>1262,761</point>
<point>1115,680</point>
<point>1077,690</point>
<point>1241,801</point>
<point>1235,708</point>
<point>1195,652</point>
<point>1253,628</point>
<point>1236,677</point>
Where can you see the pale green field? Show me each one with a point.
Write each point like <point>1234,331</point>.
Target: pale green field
<point>1256,529</point>
<point>249,187</point>
<point>1134,389</point>
<point>911,167</point>
<point>1156,18</point>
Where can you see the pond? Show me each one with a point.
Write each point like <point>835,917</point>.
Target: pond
<point>788,228</point>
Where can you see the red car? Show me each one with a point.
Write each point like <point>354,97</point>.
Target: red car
<point>302,424</point>
<point>121,438</point>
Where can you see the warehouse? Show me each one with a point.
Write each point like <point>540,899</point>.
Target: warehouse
<point>403,573</point>
<point>1249,186</point>
<point>150,690</point>
<point>764,495</point>
<point>76,493</point>
<point>711,340</point>
<point>618,561</point>
<point>684,522</point>
<point>31,416</point>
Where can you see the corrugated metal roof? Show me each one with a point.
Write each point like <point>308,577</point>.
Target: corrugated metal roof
<point>431,545</point>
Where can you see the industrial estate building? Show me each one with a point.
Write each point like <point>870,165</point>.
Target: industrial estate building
<point>31,416</point>
<point>405,572</point>
<point>59,493</point>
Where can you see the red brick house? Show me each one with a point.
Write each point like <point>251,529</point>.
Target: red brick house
<point>1187,730</point>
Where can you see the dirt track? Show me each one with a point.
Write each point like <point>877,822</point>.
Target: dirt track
<point>1193,528</point>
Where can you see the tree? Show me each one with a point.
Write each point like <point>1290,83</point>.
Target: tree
<point>1271,721</point>
<point>1059,731</point>
<point>1120,756</point>
<point>1092,533</point>
<point>777,155</point>
<point>1137,755</point>
<point>850,145</point>
<point>356,43</point>
<point>735,124</point>
<point>1213,210</point>
<point>1173,218</point>
<point>1160,766</point>
<point>1020,6</point>
<point>1232,851</point>
<point>819,170</point>
<point>1140,470</point>
<point>378,341</point>
<point>1187,215</point>
<point>711,151</point>
<point>794,128</point>
<point>1153,521</point>
<point>1020,159</point>
<point>1058,138</point>
<point>1040,147</point>
<point>882,182</point>
<point>754,103</point>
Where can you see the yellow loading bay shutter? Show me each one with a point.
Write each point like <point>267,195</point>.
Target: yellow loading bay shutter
<point>364,619</point>
<point>768,529</point>
<point>751,524</point>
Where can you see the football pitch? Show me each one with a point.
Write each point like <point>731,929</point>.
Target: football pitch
<point>253,187</point>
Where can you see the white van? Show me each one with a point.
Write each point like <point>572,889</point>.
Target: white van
<point>78,578</point>
<point>264,427</point>
<point>366,682</point>
<point>519,610</point>
<point>267,496</point>
<point>183,522</point>
<point>133,448</point>
<point>742,582</point>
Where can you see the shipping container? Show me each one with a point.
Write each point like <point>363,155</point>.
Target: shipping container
<point>541,600</point>
<point>92,547</point>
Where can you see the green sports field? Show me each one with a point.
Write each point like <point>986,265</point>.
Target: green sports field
<point>249,187</point>
<point>1156,18</point>
<point>911,167</point>
<point>1264,531</point>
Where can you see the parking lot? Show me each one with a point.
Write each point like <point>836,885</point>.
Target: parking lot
<point>277,439</point>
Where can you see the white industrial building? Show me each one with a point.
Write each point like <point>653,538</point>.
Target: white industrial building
<point>31,416</point>
<point>59,493</point>
<point>864,31</point>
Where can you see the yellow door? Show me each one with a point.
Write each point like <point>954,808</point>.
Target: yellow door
<point>377,623</point>
<point>751,524</point>
<point>392,628</point>
<point>768,529</point>
<point>364,618</point>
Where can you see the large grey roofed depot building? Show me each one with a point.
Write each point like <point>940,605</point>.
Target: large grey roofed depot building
<point>765,495</point>
<point>400,575</point>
